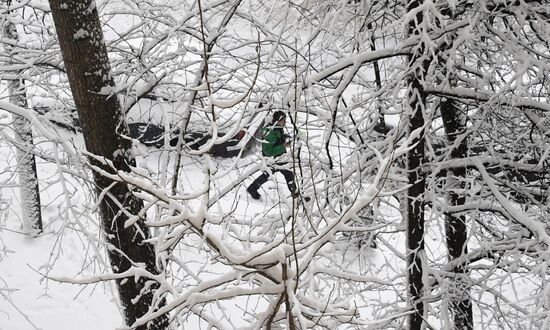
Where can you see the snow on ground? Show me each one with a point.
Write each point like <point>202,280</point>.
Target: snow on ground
<point>29,300</point>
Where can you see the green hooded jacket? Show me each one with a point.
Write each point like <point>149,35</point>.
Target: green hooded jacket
<point>274,141</point>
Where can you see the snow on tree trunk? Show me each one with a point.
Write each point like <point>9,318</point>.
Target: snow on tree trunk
<point>416,110</point>
<point>88,69</point>
<point>455,225</point>
<point>31,213</point>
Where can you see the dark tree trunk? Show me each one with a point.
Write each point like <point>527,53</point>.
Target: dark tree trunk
<point>89,73</point>
<point>455,225</point>
<point>418,66</point>
<point>377,80</point>
<point>31,213</point>
<point>415,214</point>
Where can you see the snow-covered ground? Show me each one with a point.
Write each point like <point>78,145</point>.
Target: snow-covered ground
<point>33,299</point>
<point>29,299</point>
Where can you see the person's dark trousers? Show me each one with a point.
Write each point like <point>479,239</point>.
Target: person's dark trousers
<point>288,174</point>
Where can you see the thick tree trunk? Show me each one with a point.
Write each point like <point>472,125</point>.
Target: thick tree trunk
<point>415,214</point>
<point>31,213</point>
<point>418,66</point>
<point>89,73</point>
<point>455,225</point>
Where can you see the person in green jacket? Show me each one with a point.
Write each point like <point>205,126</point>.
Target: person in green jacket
<point>274,145</point>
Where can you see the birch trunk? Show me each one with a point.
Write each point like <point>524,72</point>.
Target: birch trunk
<point>29,191</point>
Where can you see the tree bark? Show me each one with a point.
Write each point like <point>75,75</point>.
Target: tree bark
<point>455,225</point>
<point>416,98</point>
<point>29,190</point>
<point>88,69</point>
<point>377,80</point>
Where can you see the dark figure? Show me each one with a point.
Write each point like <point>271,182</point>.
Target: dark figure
<point>274,145</point>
